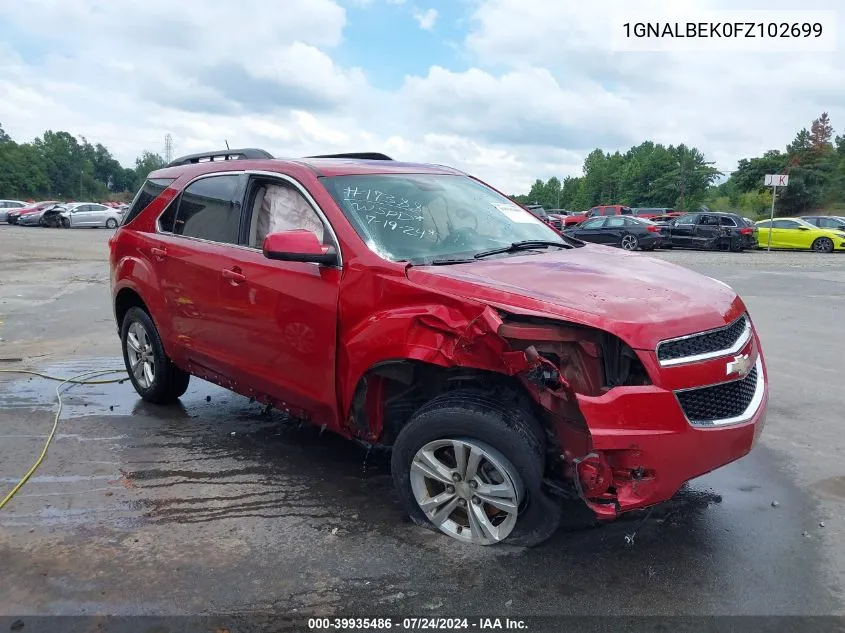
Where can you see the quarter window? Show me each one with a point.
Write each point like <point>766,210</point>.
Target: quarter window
<point>686,219</point>
<point>207,210</point>
<point>151,190</point>
<point>727,221</point>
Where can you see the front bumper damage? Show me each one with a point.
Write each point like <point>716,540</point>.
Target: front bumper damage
<point>631,446</point>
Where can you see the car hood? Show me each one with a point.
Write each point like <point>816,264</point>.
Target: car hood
<point>640,299</point>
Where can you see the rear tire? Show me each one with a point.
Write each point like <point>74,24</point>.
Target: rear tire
<point>153,374</point>
<point>823,245</point>
<point>630,242</point>
<point>510,452</point>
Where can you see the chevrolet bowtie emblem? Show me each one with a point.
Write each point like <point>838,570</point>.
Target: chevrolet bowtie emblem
<point>739,365</point>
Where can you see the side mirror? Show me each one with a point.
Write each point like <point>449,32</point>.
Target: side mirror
<point>299,245</point>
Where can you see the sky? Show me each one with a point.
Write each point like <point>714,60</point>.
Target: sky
<point>508,90</point>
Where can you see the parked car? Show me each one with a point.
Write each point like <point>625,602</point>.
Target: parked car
<point>36,218</point>
<point>91,215</point>
<point>712,230</point>
<point>13,214</point>
<point>505,365</point>
<point>53,217</point>
<point>652,212</point>
<point>6,205</point>
<point>665,219</point>
<point>825,221</point>
<point>626,232</point>
<point>795,233</point>
<point>540,213</point>
<point>601,210</point>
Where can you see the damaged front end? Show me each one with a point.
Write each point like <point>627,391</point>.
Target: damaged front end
<point>568,361</point>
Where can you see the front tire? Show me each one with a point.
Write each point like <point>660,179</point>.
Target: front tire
<point>153,374</point>
<point>823,245</point>
<point>111,223</point>
<point>472,466</point>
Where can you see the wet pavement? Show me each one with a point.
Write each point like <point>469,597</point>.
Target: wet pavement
<point>212,506</point>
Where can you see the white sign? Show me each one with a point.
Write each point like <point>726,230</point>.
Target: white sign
<point>516,214</point>
<point>777,180</point>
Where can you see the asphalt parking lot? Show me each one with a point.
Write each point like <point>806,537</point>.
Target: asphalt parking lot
<point>213,507</point>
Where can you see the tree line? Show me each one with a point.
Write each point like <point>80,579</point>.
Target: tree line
<point>58,166</point>
<point>654,175</point>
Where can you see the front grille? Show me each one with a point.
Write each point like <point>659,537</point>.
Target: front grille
<point>710,342</point>
<point>705,406</point>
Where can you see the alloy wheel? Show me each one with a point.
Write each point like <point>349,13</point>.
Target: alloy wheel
<point>467,489</point>
<point>629,242</point>
<point>139,349</point>
<point>823,245</point>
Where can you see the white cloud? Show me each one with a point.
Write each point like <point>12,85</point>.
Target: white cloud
<point>729,105</point>
<point>533,86</point>
<point>426,19</point>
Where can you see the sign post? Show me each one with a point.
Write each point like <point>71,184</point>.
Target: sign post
<point>774,181</point>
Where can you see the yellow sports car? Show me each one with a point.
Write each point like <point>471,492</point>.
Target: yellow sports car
<point>796,233</point>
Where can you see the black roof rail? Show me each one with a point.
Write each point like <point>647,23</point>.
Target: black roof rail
<point>359,155</point>
<point>223,154</point>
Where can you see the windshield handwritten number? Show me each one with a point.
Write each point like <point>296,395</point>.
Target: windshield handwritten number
<point>391,224</point>
<point>370,219</point>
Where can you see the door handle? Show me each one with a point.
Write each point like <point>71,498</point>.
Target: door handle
<point>234,276</point>
<point>158,253</point>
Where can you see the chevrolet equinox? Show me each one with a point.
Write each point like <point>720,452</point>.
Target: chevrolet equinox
<point>506,366</point>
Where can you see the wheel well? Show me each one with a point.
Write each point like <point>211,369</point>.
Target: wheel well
<point>390,393</point>
<point>127,298</point>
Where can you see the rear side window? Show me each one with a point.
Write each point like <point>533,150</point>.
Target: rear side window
<point>727,221</point>
<point>151,190</point>
<point>207,210</point>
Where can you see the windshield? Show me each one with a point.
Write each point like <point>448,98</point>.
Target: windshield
<point>539,212</point>
<point>423,217</point>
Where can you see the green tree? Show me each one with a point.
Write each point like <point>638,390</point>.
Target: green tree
<point>148,162</point>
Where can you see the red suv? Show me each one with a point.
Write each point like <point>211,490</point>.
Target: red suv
<point>508,367</point>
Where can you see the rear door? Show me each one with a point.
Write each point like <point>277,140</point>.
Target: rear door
<point>98,214</point>
<point>613,230</point>
<point>198,240</point>
<point>707,231</point>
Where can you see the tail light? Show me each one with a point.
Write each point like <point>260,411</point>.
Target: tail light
<point>653,229</point>
<point>746,231</point>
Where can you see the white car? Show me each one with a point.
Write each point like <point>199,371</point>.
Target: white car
<point>90,214</point>
<point>5,205</point>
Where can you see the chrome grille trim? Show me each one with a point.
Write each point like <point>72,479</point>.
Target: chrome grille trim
<point>743,417</point>
<point>738,344</point>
